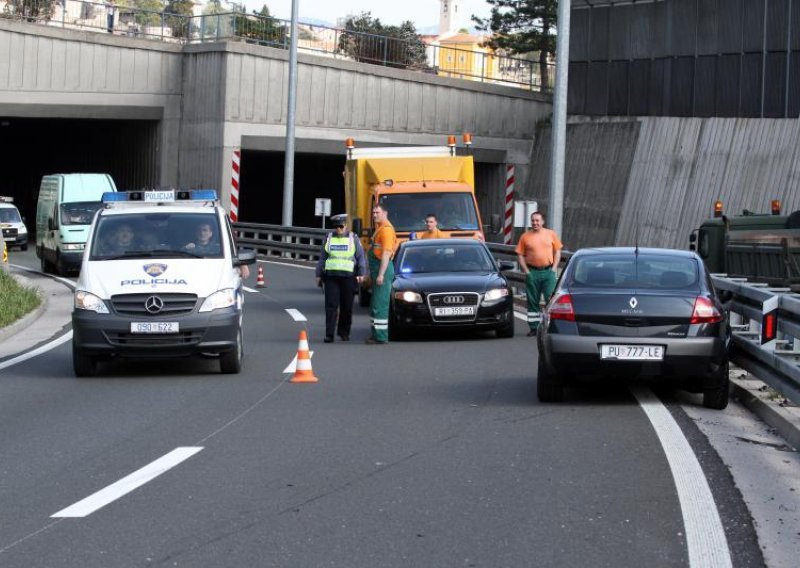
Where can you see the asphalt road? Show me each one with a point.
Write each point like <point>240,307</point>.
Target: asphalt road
<point>429,452</point>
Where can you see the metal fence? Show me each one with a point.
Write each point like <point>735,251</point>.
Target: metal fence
<point>446,60</point>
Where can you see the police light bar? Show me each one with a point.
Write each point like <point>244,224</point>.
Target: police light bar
<point>160,196</point>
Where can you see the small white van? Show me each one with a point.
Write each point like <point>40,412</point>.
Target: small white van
<point>160,278</point>
<point>65,209</point>
<point>15,234</point>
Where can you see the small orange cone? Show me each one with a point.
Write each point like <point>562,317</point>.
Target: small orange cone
<point>260,277</point>
<point>303,372</point>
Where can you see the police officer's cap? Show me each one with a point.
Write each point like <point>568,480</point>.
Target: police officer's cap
<point>340,219</point>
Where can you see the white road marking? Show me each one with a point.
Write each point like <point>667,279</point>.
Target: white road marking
<point>521,316</point>
<point>292,367</point>
<point>38,351</point>
<point>705,537</point>
<point>296,315</point>
<point>251,290</point>
<point>288,264</point>
<point>127,484</point>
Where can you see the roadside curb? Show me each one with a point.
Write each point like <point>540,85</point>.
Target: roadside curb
<point>759,399</point>
<point>30,317</point>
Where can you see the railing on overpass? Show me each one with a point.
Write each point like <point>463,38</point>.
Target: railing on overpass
<point>776,362</point>
<point>447,60</point>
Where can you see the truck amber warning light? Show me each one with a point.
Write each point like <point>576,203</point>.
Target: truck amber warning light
<point>776,206</point>
<point>718,208</point>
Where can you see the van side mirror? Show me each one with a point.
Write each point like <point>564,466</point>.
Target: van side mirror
<point>494,223</point>
<point>357,226</point>
<point>693,238</point>
<point>50,224</point>
<point>245,256</point>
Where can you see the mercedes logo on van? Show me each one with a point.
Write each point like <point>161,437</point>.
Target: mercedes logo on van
<point>453,300</point>
<point>633,302</point>
<point>153,304</point>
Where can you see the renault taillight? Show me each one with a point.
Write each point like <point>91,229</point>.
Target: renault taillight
<point>561,308</point>
<point>705,311</point>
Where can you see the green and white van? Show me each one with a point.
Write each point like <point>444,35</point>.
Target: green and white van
<point>65,209</point>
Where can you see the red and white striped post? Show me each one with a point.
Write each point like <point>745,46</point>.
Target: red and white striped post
<point>235,163</point>
<point>508,221</point>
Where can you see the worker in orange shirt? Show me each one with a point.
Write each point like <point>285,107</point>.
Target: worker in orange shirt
<point>538,252</point>
<point>431,228</point>
<point>381,272</point>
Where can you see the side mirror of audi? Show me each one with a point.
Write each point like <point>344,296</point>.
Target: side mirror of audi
<point>506,265</point>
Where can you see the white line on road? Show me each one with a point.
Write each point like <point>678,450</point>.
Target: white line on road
<point>128,483</point>
<point>251,290</point>
<point>288,264</point>
<point>38,351</point>
<point>296,315</point>
<point>292,367</point>
<point>705,536</point>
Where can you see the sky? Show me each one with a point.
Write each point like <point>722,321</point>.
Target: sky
<point>423,13</point>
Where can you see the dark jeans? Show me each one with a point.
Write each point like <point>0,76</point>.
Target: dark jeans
<point>339,291</point>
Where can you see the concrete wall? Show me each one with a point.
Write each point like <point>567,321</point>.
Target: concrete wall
<point>663,175</point>
<point>54,73</point>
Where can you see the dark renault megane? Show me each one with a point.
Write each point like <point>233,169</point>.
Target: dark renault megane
<point>450,283</point>
<point>628,312</point>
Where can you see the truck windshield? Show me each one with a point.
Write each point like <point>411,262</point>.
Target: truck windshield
<point>454,211</point>
<point>79,212</point>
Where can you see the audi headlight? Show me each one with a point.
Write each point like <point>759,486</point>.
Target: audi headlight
<point>218,300</point>
<point>408,296</point>
<point>496,294</point>
<point>88,301</point>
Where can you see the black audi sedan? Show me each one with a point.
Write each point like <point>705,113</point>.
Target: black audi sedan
<point>450,283</point>
<point>635,312</point>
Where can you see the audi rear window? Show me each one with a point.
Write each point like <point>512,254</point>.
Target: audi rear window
<point>643,271</point>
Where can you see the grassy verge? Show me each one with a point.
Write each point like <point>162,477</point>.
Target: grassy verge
<point>16,300</point>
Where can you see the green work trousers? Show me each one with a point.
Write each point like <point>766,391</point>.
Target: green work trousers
<point>538,283</point>
<point>379,303</point>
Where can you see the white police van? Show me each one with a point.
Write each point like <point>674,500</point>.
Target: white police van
<point>15,234</point>
<point>159,278</point>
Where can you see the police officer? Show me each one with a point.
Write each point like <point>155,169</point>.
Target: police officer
<point>381,272</point>
<point>341,266</point>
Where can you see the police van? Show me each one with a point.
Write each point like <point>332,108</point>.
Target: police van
<point>159,278</point>
<point>15,234</point>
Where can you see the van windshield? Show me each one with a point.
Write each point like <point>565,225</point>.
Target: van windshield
<point>79,212</point>
<point>9,215</point>
<point>159,235</point>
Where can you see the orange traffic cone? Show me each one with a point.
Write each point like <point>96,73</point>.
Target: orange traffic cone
<point>303,372</point>
<point>260,277</point>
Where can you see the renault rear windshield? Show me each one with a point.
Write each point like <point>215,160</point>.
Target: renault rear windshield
<point>642,271</point>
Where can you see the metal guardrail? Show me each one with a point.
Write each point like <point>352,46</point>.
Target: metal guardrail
<point>776,362</point>
<point>126,18</point>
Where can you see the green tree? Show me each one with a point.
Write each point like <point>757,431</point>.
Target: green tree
<point>366,39</point>
<point>144,13</point>
<point>177,15</point>
<point>259,26</point>
<point>522,26</point>
<point>30,10</point>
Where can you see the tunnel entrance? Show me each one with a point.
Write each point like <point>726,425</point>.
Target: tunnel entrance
<point>33,147</point>
<point>261,187</point>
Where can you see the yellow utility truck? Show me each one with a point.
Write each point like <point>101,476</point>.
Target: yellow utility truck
<point>412,182</point>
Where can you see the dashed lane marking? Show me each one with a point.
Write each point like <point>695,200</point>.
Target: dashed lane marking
<point>127,484</point>
<point>296,315</point>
